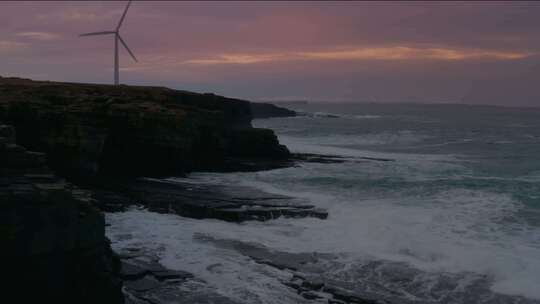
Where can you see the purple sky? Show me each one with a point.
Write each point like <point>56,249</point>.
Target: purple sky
<point>479,52</point>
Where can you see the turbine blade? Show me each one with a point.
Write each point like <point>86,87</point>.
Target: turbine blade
<point>97,33</point>
<point>125,45</point>
<point>123,15</point>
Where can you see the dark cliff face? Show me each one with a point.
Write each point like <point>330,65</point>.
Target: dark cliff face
<point>89,129</point>
<point>53,235</point>
<point>268,110</point>
<point>53,239</point>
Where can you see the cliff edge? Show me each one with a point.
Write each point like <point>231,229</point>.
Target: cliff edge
<point>89,129</point>
<point>268,110</point>
<point>52,230</point>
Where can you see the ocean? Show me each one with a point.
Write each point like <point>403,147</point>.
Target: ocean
<point>433,204</point>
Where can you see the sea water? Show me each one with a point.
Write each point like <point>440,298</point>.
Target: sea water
<point>432,204</point>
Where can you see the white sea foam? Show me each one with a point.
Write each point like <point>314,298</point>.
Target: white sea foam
<point>456,230</point>
<point>459,231</point>
<point>426,224</point>
<point>453,231</point>
<point>175,241</point>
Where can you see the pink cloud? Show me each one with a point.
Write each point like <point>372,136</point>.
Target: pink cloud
<point>332,50</point>
<point>45,36</point>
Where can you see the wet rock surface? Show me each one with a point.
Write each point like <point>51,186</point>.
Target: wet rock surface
<point>196,200</point>
<point>147,281</point>
<point>306,275</point>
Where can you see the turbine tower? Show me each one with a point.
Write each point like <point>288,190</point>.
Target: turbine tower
<point>117,38</point>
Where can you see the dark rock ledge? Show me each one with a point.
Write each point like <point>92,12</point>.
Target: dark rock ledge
<point>268,110</point>
<point>229,203</point>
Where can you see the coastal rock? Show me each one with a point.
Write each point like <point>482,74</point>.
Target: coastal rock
<point>268,110</point>
<point>228,203</point>
<point>306,276</point>
<point>147,281</point>
<point>53,239</point>
<point>254,149</point>
<point>256,142</point>
<point>87,129</point>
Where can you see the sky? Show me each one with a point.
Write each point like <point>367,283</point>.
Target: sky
<point>426,52</point>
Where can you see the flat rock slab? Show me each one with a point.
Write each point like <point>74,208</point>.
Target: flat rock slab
<point>196,200</point>
<point>147,281</point>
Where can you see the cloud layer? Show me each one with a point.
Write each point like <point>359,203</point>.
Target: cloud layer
<point>373,53</point>
<point>476,52</point>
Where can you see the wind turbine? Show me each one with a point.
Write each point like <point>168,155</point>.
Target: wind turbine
<point>117,38</point>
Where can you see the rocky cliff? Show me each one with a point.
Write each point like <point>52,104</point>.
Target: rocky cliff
<point>87,129</point>
<point>52,234</point>
<point>53,239</point>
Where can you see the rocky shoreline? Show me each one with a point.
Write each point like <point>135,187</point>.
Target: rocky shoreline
<point>72,152</point>
<point>93,143</point>
<point>147,281</point>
